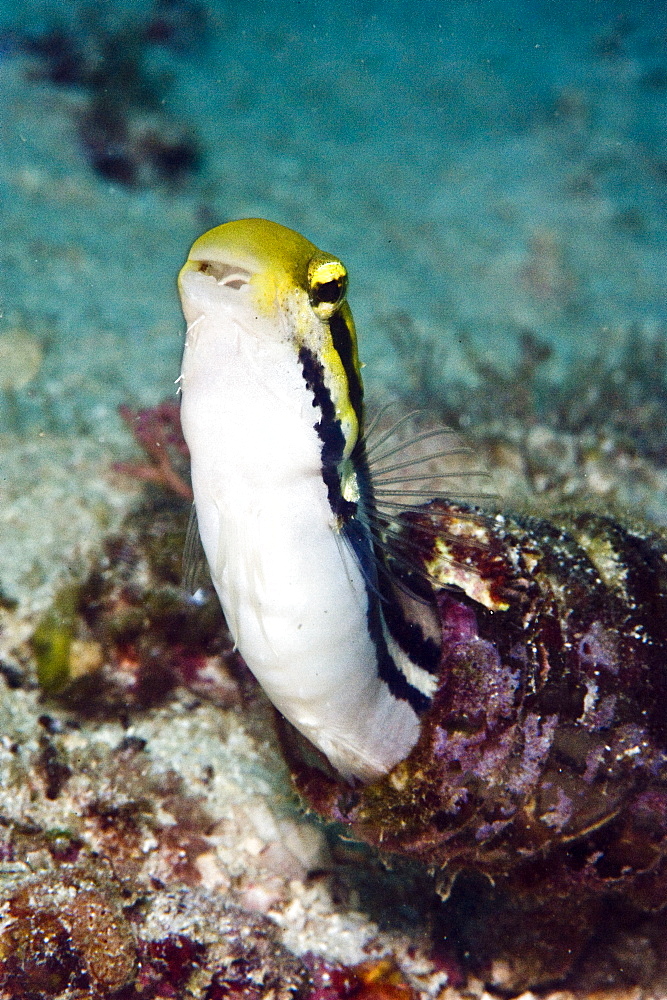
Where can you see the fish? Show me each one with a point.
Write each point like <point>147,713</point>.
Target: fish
<point>295,527</point>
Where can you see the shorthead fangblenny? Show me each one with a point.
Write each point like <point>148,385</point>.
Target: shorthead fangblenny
<point>477,690</point>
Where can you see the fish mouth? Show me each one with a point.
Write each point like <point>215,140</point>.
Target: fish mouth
<point>214,288</point>
<point>223,297</point>
<point>228,276</point>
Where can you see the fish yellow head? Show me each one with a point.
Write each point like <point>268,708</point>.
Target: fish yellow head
<point>280,288</point>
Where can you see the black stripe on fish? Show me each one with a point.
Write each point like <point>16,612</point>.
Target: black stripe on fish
<point>343,342</point>
<point>329,431</point>
<point>422,650</point>
<point>388,670</point>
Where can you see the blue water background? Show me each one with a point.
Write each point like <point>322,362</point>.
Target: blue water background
<point>482,167</point>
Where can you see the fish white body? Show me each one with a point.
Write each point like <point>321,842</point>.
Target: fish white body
<point>290,586</point>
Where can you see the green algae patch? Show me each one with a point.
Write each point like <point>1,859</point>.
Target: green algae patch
<point>128,633</point>
<point>52,642</point>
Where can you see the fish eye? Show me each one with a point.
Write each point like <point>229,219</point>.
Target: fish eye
<point>328,291</point>
<point>327,284</point>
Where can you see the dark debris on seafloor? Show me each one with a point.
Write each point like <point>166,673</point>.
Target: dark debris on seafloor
<point>123,127</point>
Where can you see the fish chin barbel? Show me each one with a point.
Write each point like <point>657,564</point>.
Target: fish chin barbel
<point>531,744</point>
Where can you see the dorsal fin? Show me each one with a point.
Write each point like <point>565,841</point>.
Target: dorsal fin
<point>409,465</point>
